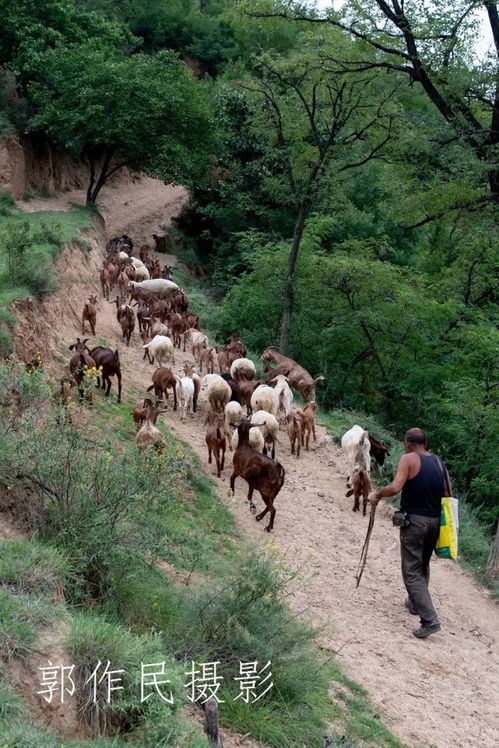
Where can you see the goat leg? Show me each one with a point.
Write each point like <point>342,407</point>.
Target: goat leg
<point>272,515</point>
<point>250,499</point>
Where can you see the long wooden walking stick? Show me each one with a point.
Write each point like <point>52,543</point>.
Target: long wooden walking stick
<point>365,547</point>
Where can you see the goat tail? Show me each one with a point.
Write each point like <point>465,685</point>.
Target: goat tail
<point>320,378</point>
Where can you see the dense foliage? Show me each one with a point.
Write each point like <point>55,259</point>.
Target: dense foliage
<point>395,288</point>
<point>349,184</point>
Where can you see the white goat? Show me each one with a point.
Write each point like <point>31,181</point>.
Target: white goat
<point>284,397</point>
<point>242,366</point>
<point>264,398</point>
<point>233,415</point>
<point>165,289</point>
<point>161,348</point>
<point>185,395</point>
<point>219,392</point>
<point>142,273</point>
<point>268,425</point>
<point>356,445</point>
<point>255,439</point>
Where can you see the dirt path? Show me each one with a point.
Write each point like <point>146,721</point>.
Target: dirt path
<point>442,691</point>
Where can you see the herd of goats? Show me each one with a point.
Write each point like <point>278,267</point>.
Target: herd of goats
<point>244,413</point>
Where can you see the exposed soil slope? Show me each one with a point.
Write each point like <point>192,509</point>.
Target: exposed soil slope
<point>441,691</point>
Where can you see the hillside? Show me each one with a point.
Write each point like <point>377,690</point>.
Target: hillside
<point>438,692</point>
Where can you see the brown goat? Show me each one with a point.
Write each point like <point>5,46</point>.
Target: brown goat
<point>307,416</point>
<point>180,302</point>
<point>123,281</point>
<point>235,344</point>
<point>110,362</point>
<point>146,338</point>
<point>294,432</point>
<point>160,242</point>
<point>127,322</point>
<point>105,282</point>
<point>162,379</point>
<point>207,358</point>
<point>144,252</point>
<point>246,388</point>
<point>79,363</point>
<point>120,307</point>
<point>193,321</point>
<point>177,326</point>
<point>215,441</point>
<point>361,486</point>
<point>90,314</point>
<point>167,272</point>
<point>260,473</point>
<point>143,316</point>
<point>155,271</point>
<point>159,308</point>
<point>298,377</point>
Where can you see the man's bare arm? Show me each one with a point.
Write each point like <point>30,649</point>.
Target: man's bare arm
<point>397,483</point>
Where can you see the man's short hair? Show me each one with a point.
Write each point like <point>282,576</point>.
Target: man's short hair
<point>415,436</point>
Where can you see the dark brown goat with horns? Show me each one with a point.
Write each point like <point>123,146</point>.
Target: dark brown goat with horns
<point>260,473</point>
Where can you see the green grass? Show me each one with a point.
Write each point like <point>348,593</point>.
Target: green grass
<point>21,619</point>
<point>29,566</point>
<point>29,246</point>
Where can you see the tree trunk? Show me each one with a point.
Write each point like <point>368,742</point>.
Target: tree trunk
<point>493,564</point>
<point>91,180</point>
<point>288,300</point>
<point>104,175</point>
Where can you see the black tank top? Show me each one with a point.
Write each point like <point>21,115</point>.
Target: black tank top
<point>423,493</point>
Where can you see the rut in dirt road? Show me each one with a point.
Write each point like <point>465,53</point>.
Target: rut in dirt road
<point>442,691</point>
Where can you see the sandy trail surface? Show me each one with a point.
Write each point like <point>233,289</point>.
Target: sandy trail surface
<point>442,691</point>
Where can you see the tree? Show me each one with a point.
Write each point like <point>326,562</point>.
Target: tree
<point>318,115</point>
<point>430,45</point>
<point>147,113</point>
<point>30,28</point>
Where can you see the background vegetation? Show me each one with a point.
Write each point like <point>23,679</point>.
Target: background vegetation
<point>337,181</point>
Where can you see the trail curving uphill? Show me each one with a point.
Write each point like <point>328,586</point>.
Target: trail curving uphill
<point>442,691</point>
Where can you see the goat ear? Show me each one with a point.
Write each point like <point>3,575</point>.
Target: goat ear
<point>349,493</point>
<point>72,346</point>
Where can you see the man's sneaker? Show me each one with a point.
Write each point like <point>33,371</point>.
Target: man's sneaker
<point>410,607</point>
<point>423,631</point>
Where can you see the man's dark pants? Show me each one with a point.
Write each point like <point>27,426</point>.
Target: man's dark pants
<point>417,542</point>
